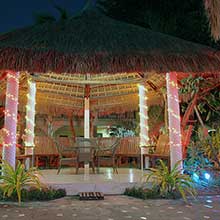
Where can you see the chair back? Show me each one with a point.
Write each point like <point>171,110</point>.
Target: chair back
<point>58,146</point>
<point>162,146</point>
<point>108,146</point>
<point>115,145</point>
<point>85,148</point>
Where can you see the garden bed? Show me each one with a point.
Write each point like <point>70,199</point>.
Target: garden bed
<point>145,193</point>
<point>35,194</point>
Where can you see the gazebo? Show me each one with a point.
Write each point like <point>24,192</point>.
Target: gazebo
<point>92,63</point>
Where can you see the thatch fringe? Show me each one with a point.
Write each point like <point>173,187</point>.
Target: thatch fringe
<point>212,8</point>
<point>51,61</point>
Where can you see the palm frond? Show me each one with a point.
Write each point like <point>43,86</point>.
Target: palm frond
<point>41,18</point>
<point>212,8</point>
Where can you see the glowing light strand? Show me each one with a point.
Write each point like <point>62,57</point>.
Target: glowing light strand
<point>30,115</point>
<point>10,126</point>
<point>174,119</point>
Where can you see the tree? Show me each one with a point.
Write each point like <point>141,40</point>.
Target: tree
<point>183,19</point>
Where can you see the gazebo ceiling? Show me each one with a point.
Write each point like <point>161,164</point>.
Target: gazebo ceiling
<point>55,97</point>
<point>59,98</point>
<point>93,43</point>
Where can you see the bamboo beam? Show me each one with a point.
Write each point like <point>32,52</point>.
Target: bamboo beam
<point>83,82</point>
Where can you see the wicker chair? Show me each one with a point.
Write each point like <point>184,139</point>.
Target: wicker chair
<point>67,156</point>
<point>86,152</point>
<point>108,153</point>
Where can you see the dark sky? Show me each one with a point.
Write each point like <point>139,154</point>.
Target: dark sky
<point>19,13</point>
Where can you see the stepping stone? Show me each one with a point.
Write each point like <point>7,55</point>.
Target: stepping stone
<point>60,215</point>
<point>208,206</point>
<point>134,208</point>
<point>209,201</point>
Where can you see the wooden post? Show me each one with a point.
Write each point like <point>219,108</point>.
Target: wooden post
<point>30,121</point>
<point>86,118</point>
<point>144,138</point>
<point>10,127</point>
<point>86,132</point>
<point>174,120</point>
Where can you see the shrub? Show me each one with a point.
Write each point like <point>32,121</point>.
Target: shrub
<point>142,193</point>
<point>35,194</point>
<point>15,180</point>
<point>171,182</point>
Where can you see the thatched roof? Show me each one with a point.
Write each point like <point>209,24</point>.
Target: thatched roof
<point>94,43</point>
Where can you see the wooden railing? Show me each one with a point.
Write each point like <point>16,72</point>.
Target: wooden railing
<point>129,146</point>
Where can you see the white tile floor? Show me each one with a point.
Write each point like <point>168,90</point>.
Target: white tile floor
<point>105,182</point>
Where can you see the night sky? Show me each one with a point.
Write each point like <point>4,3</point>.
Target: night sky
<point>19,13</point>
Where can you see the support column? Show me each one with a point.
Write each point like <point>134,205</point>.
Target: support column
<point>86,118</point>
<point>144,138</point>
<point>174,120</point>
<point>86,133</point>
<point>10,127</point>
<point>30,120</point>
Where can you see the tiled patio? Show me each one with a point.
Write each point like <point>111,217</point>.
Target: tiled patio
<point>105,182</point>
<point>115,208</point>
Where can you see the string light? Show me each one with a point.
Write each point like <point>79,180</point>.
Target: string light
<point>174,119</point>
<point>10,114</point>
<point>30,115</point>
<point>144,129</point>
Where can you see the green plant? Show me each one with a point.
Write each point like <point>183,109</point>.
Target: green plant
<point>35,194</point>
<point>195,157</point>
<point>212,148</point>
<point>142,193</point>
<point>171,182</point>
<point>14,180</point>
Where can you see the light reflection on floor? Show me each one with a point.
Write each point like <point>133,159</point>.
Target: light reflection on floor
<point>107,181</point>
<point>67,175</point>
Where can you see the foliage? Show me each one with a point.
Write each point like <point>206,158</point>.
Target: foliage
<point>184,19</point>
<point>196,159</point>
<point>42,17</point>
<point>145,193</point>
<point>35,194</point>
<point>212,148</point>
<point>208,104</point>
<point>169,182</point>
<point>191,85</point>
<point>14,180</point>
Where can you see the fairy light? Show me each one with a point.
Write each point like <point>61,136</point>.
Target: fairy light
<point>174,119</point>
<point>30,117</point>
<point>10,114</point>
<point>144,129</point>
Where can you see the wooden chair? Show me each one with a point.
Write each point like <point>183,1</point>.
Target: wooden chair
<point>67,156</point>
<point>162,150</point>
<point>108,153</point>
